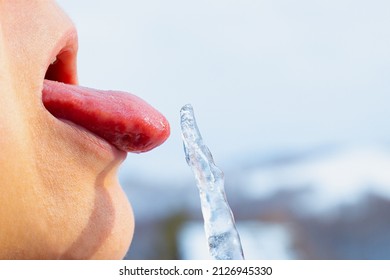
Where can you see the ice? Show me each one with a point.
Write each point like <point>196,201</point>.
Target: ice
<point>223,239</point>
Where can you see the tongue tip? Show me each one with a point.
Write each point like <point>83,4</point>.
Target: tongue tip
<point>144,142</point>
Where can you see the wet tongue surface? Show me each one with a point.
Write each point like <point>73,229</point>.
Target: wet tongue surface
<point>122,119</point>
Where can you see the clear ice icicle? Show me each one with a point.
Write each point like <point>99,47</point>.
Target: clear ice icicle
<point>221,233</point>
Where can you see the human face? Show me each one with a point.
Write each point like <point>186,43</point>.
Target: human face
<point>60,197</point>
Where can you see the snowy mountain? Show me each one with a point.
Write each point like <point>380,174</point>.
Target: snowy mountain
<point>342,176</point>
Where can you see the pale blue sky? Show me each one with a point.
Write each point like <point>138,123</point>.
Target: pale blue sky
<point>261,75</point>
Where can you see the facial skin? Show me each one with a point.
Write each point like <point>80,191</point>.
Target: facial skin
<point>60,197</point>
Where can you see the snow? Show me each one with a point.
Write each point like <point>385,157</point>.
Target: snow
<point>334,178</point>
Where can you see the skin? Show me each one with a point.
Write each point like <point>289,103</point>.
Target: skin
<point>60,197</point>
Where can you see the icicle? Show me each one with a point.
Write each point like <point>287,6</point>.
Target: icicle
<point>223,239</point>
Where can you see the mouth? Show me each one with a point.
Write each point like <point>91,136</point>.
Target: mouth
<point>62,63</point>
<point>120,119</point>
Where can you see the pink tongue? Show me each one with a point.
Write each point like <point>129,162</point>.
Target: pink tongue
<point>122,119</point>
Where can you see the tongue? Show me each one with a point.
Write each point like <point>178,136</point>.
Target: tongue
<point>122,119</point>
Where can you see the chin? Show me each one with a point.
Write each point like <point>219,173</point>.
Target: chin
<point>121,234</point>
<point>109,230</point>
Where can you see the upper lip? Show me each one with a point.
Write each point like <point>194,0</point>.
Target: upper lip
<point>64,56</point>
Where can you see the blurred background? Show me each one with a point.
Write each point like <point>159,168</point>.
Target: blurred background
<point>292,98</point>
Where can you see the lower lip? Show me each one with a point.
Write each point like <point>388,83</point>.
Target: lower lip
<point>92,142</point>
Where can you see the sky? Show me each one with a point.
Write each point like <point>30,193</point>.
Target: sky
<point>263,76</point>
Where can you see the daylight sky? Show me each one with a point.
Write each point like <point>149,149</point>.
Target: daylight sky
<point>262,75</point>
